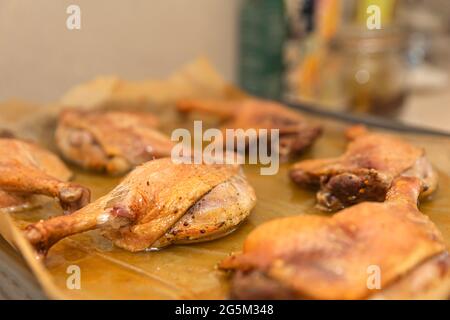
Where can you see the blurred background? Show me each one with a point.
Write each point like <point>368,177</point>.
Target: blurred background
<point>387,58</point>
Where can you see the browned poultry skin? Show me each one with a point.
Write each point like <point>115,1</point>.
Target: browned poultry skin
<point>146,208</point>
<point>110,141</point>
<point>296,134</point>
<point>365,171</point>
<point>317,257</point>
<point>27,170</point>
<point>429,281</point>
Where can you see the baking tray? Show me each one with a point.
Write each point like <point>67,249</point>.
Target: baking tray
<point>176,272</point>
<point>189,272</point>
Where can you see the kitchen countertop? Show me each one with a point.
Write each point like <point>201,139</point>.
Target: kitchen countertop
<point>428,109</point>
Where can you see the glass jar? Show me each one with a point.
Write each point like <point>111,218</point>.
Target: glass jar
<point>372,70</point>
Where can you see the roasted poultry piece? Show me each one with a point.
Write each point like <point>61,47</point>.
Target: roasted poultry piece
<point>365,171</point>
<point>111,141</point>
<point>26,170</point>
<point>157,204</point>
<point>319,257</point>
<point>296,133</point>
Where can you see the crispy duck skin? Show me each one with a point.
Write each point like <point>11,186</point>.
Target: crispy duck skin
<point>319,257</point>
<point>296,134</point>
<point>365,171</point>
<point>429,281</point>
<point>110,141</point>
<point>27,170</point>
<point>157,204</point>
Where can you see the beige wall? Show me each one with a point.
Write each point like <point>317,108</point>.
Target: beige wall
<point>40,59</point>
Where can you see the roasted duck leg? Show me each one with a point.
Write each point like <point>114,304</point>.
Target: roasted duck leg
<point>319,257</point>
<point>157,204</point>
<point>296,133</point>
<point>365,171</point>
<point>27,170</point>
<point>110,141</point>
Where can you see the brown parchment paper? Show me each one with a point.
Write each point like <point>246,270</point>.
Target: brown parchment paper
<point>177,272</point>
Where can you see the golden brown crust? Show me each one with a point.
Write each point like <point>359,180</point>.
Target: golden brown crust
<point>365,171</point>
<point>111,141</point>
<point>148,203</point>
<point>430,280</point>
<point>219,212</point>
<point>329,257</point>
<point>168,192</point>
<point>296,133</point>
<point>26,169</point>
